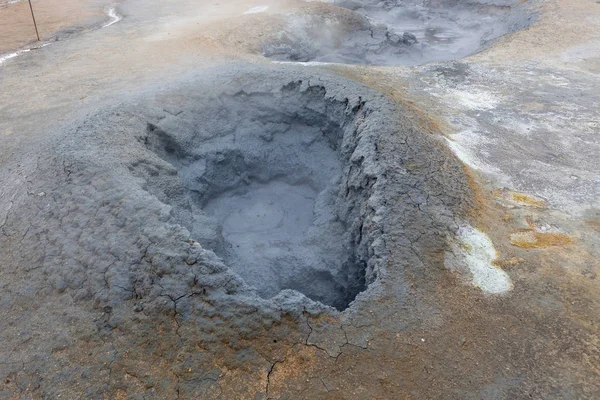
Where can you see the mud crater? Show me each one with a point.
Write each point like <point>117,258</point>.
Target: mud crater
<point>394,32</point>
<point>277,185</point>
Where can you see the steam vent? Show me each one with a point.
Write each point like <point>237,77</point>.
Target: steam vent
<point>299,200</point>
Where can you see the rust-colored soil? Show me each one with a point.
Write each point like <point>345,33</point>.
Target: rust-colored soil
<point>17,30</point>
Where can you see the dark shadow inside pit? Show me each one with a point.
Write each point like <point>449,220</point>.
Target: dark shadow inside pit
<point>268,184</point>
<point>394,32</point>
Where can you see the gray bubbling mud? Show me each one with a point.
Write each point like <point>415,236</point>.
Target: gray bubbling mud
<point>271,190</point>
<point>409,32</point>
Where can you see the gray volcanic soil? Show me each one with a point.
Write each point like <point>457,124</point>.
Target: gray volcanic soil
<point>123,213</point>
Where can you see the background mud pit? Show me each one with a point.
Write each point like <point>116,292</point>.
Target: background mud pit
<point>113,234</point>
<point>398,32</point>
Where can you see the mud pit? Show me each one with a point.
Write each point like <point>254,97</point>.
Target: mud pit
<point>275,190</point>
<point>335,199</point>
<point>288,182</point>
<point>396,32</point>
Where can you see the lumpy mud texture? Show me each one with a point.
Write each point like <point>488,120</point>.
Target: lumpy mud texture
<point>408,32</point>
<point>268,187</point>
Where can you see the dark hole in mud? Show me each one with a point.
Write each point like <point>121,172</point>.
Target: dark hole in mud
<point>394,32</point>
<point>270,184</point>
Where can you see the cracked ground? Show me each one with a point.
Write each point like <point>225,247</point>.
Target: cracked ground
<point>475,182</point>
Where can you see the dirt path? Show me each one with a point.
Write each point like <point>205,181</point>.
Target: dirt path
<point>52,17</point>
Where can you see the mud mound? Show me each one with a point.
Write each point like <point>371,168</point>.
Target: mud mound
<point>202,227</point>
<point>280,189</point>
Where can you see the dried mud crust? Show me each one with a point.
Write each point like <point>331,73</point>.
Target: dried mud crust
<point>109,232</point>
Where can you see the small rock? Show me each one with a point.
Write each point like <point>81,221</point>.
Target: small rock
<point>409,39</point>
<point>393,38</point>
<point>59,285</point>
<point>193,243</point>
<point>191,260</point>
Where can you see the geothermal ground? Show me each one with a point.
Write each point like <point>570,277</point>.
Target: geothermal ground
<point>300,200</point>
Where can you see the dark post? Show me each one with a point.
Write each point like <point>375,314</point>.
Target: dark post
<point>34,24</point>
